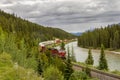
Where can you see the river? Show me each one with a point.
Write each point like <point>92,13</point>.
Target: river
<point>82,53</point>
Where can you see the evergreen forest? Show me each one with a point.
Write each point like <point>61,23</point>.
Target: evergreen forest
<point>109,36</point>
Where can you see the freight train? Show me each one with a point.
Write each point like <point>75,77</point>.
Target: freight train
<point>54,52</point>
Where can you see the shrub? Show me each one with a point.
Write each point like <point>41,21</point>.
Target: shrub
<point>5,59</point>
<point>77,75</point>
<point>52,73</point>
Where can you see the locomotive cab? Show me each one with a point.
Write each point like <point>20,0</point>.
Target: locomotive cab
<point>62,53</point>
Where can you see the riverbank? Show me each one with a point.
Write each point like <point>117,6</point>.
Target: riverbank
<point>108,51</point>
<point>81,55</point>
<point>117,51</point>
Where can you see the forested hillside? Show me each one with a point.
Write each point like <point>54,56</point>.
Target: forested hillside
<point>19,46</point>
<point>108,36</point>
<point>28,30</point>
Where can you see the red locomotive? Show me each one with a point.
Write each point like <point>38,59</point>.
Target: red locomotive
<point>59,53</point>
<point>54,52</point>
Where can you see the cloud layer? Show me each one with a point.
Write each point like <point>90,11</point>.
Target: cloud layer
<point>70,15</point>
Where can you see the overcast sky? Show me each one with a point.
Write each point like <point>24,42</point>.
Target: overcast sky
<point>70,15</point>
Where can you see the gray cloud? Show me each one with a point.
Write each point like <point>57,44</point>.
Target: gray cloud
<point>70,15</point>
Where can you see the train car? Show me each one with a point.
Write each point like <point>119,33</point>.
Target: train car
<point>59,53</point>
<point>54,52</point>
<point>62,53</point>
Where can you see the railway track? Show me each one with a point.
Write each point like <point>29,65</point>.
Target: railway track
<point>97,73</point>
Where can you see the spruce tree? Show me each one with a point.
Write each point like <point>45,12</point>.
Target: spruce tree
<point>68,70</point>
<point>103,62</point>
<point>89,60</point>
<point>42,63</point>
<point>73,55</point>
<point>62,46</point>
<point>39,67</point>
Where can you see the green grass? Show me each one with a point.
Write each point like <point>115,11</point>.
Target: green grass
<point>116,72</point>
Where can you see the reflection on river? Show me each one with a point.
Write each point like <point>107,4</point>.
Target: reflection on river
<point>82,53</point>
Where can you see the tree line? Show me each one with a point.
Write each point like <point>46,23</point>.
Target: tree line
<point>108,36</point>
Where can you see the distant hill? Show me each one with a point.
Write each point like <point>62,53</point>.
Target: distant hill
<point>29,30</point>
<point>77,34</point>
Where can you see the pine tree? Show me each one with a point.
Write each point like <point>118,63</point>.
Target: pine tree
<point>73,55</point>
<point>103,62</point>
<point>89,60</point>
<point>68,70</point>
<point>63,46</point>
<point>39,67</point>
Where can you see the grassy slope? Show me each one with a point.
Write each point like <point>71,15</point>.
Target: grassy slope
<point>12,71</point>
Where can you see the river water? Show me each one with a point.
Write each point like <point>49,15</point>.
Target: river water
<point>82,53</point>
